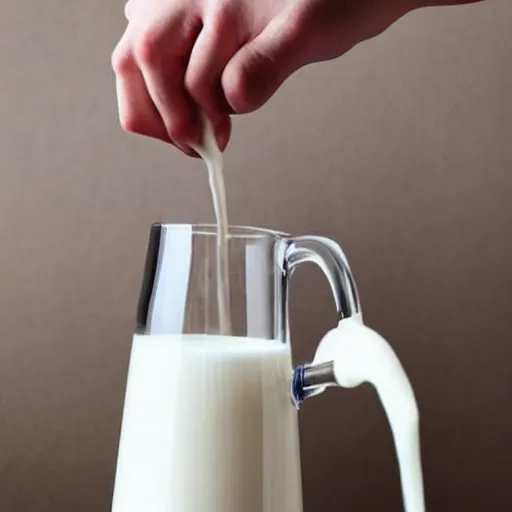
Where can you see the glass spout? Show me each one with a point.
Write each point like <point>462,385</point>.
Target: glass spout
<point>310,380</point>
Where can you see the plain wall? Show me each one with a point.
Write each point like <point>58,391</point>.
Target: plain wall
<point>401,151</point>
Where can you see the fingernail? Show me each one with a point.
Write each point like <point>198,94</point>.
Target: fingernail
<point>222,140</point>
<point>189,151</point>
<point>183,148</point>
<point>223,132</point>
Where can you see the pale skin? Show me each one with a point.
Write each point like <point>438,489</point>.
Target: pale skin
<point>229,57</point>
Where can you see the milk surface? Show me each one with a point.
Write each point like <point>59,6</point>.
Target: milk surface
<point>208,426</point>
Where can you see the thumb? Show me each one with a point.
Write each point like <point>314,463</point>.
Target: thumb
<point>259,68</point>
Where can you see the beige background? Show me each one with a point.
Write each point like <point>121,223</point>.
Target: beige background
<point>401,151</point>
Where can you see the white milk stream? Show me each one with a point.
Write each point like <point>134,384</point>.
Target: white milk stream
<point>362,355</point>
<point>211,154</point>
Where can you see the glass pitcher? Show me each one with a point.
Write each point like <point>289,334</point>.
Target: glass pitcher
<point>210,421</point>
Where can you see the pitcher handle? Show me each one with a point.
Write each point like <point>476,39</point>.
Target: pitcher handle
<point>329,256</point>
<point>310,380</point>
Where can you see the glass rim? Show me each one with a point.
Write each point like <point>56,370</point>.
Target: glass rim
<point>234,231</point>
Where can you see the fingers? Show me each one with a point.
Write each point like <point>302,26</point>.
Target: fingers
<point>162,55</point>
<point>176,109</point>
<point>170,65</point>
<point>150,64</point>
<point>259,68</point>
<point>213,49</point>
<point>137,113</point>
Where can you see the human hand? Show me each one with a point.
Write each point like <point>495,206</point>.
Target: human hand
<point>229,56</point>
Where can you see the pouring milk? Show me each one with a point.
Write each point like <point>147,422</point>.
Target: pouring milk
<point>211,154</point>
<point>208,424</point>
<point>357,354</point>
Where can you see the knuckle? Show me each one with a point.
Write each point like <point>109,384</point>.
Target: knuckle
<point>121,60</point>
<point>247,87</point>
<point>294,30</point>
<point>223,14</point>
<point>238,90</point>
<point>147,47</point>
<point>196,85</point>
<point>179,130</point>
<point>132,123</point>
<point>207,92</point>
<point>235,88</point>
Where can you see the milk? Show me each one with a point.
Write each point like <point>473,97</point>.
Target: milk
<point>362,355</point>
<point>208,426</point>
<point>211,154</point>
